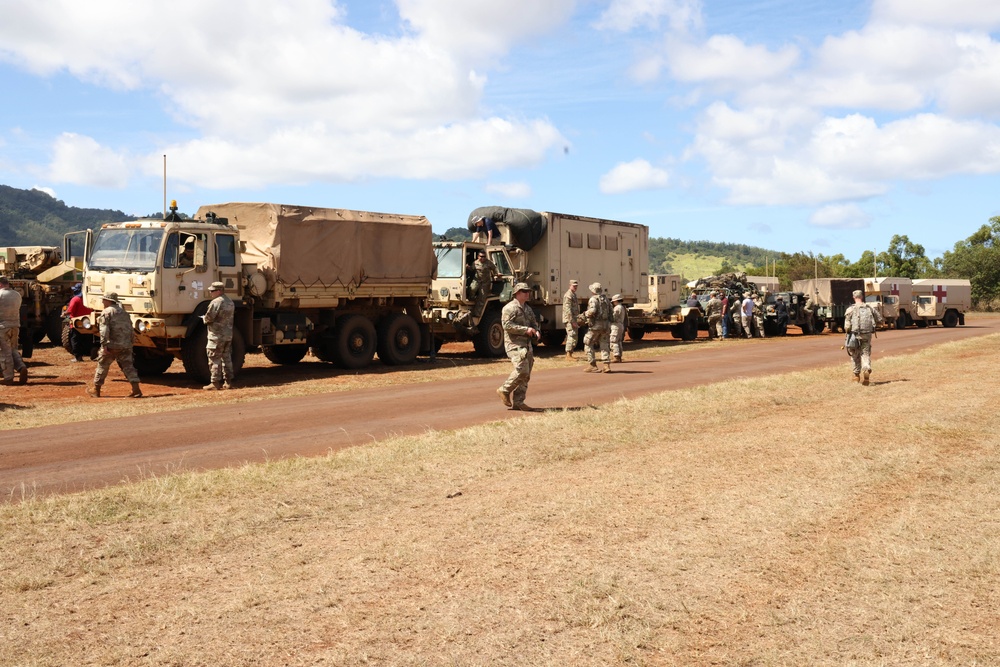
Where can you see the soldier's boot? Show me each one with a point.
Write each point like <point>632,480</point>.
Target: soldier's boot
<point>618,360</point>
<point>607,367</point>
<point>228,385</point>
<point>212,387</point>
<point>864,380</point>
<point>504,396</point>
<point>591,368</point>
<point>94,390</point>
<point>22,376</point>
<point>6,383</point>
<point>857,378</point>
<point>136,392</point>
<point>569,356</point>
<point>524,407</point>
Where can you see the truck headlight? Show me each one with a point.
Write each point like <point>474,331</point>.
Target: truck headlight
<point>141,326</point>
<point>85,323</point>
<point>444,292</point>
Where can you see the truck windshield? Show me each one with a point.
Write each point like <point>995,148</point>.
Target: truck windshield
<point>125,250</point>
<point>449,262</point>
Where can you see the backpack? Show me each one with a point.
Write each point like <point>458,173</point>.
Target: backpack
<point>863,321</point>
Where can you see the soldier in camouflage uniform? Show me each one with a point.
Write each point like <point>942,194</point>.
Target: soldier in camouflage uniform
<point>861,320</point>
<point>758,314</point>
<point>598,315</point>
<point>735,308</point>
<point>482,285</point>
<point>713,310</point>
<point>219,319</point>
<point>116,345</point>
<point>570,317</point>
<point>10,329</point>
<point>519,328</point>
<point>619,319</point>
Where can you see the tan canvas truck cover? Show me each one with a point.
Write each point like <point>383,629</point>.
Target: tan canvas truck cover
<point>309,246</point>
<point>829,291</point>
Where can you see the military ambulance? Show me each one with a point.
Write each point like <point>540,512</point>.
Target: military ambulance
<point>943,300</point>
<point>892,296</point>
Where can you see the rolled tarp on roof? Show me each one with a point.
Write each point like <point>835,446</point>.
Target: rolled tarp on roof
<point>526,227</point>
<point>309,245</point>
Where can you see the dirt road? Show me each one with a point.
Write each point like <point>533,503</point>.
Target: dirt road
<point>67,457</point>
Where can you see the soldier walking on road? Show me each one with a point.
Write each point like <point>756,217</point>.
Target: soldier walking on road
<point>713,310</point>
<point>10,328</point>
<point>598,316</point>
<point>519,328</point>
<point>219,319</point>
<point>861,320</point>
<point>619,323</point>
<point>116,345</point>
<point>570,317</point>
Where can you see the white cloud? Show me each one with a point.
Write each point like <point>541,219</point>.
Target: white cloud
<point>631,176</point>
<point>519,190</point>
<point>624,15</point>
<point>724,58</point>
<point>82,161</point>
<point>980,14</point>
<point>843,216</point>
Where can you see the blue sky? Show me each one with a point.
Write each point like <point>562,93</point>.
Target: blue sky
<point>824,127</point>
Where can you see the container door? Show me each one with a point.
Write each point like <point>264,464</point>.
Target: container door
<point>227,264</point>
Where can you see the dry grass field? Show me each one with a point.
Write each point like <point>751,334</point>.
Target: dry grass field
<point>789,520</point>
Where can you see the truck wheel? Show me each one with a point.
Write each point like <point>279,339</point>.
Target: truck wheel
<point>64,339</point>
<point>950,319</point>
<point>355,344</point>
<point>489,341</point>
<point>26,340</point>
<point>398,340</point>
<point>54,327</point>
<point>195,357</point>
<point>285,355</point>
<point>818,326</point>
<point>636,333</point>
<point>325,348</point>
<point>921,324</point>
<point>901,321</point>
<point>690,328</point>
<point>148,363</point>
<point>554,337</point>
<point>37,336</point>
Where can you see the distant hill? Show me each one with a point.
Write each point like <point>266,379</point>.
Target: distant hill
<point>697,259</point>
<point>32,217</point>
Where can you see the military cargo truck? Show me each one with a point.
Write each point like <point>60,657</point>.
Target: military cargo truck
<point>546,250</point>
<point>664,309</point>
<point>829,299</point>
<point>44,281</point>
<point>941,300</point>
<point>345,284</point>
<point>892,297</point>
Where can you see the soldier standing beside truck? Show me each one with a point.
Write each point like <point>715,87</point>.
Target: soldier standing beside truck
<point>598,330</point>
<point>570,317</point>
<point>861,320</point>
<point>619,323</point>
<point>10,327</point>
<point>713,310</point>
<point>219,320</point>
<point>519,327</point>
<point>116,345</point>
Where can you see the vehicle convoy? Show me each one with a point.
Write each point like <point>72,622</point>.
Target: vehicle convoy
<point>892,297</point>
<point>546,250</point>
<point>829,299</point>
<point>941,300</point>
<point>44,281</point>
<point>345,284</point>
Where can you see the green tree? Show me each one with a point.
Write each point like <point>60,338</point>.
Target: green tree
<point>977,259</point>
<point>904,259</point>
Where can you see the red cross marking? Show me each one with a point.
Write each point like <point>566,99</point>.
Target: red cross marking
<point>941,292</point>
<point>894,289</point>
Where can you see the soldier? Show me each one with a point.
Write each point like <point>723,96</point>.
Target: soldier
<point>519,327</point>
<point>619,320</point>
<point>714,312</point>
<point>116,345</point>
<point>726,317</point>
<point>482,285</point>
<point>781,310</point>
<point>10,328</point>
<point>746,316</point>
<point>861,320</point>
<point>219,318</point>
<point>758,314</point>
<point>570,317</point>
<point>808,309</point>
<point>735,323</point>
<point>598,317</point>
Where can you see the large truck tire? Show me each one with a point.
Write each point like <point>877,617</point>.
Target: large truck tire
<point>554,337</point>
<point>489,341</point>
<point>690,328</point>
<point>64,339</point>
<point>355,341</point>
<point>149,363</point>
<point>636,333</point>
<point>37,336</point>
<point>54,327</point>
<point>950,319</point>
<point>26,342</point>
<point>921,324</point>
<point>398,340</point>
<point>195,357</point>
<point>901,321</point>
<point>286,355</point>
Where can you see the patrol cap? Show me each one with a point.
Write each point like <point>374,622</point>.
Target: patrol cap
<point>596,288</point>
<point>216,287</point>
<point>111,296</point>
<point>617,297</point>
<point>574,282</point>
<point>858,294</point>
<point>521,287</point>
<point>77,288</point>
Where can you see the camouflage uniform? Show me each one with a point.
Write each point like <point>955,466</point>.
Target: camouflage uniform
<point>758,315</point>
<point>861,319</point>
<point>482,284</point>
<point>116,344</point>
<point>714,313</point>
<point>570,317</point>
<point>219,318</point>
<point>598,316</point>
<point>10,327</point>
<point>517,319</point>
<point>618,317</point>
<point>735,319</point>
